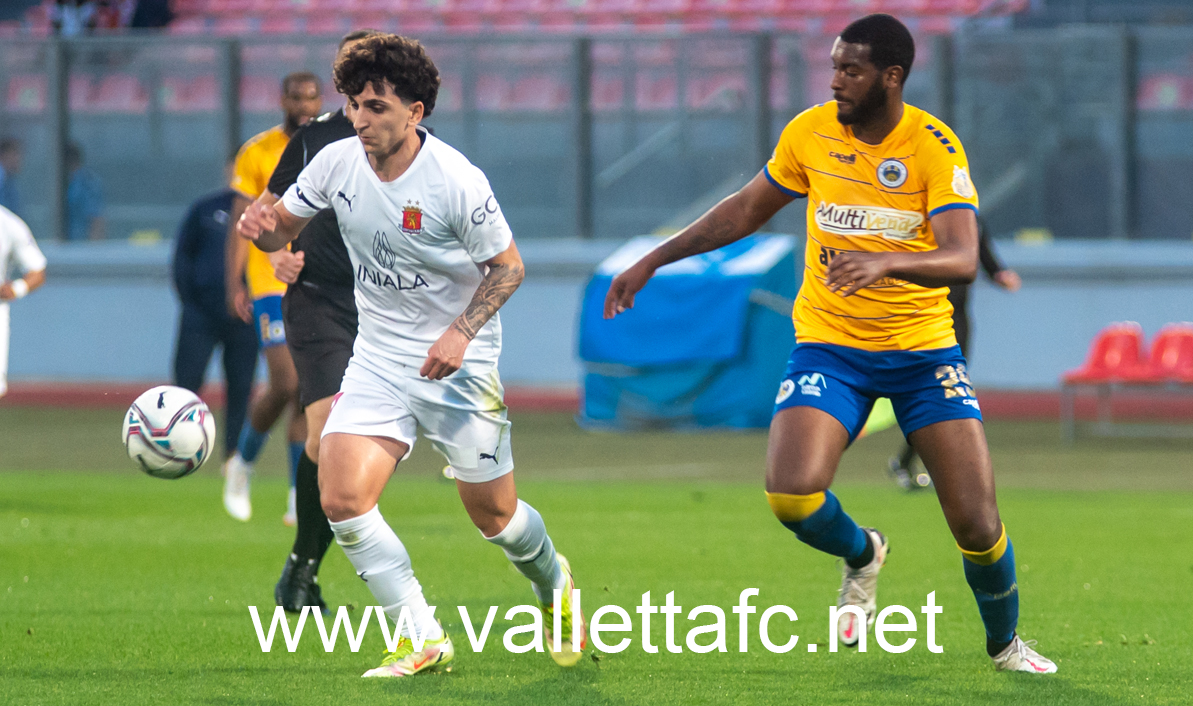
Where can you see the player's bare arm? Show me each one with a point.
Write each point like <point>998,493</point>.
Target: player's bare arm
<point>505,273</point>
<point>236,255</point>
<point>735,217</point>
<point>286,265</point>
<point>270,227</point>
<point>33,280</point>
<point>954,261</point>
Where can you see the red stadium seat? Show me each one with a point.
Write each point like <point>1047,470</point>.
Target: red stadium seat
<point>1165,91</point>
<point>197,95</point>
<point>26,94</point>
<point>260,94</point>
<point>1114,356</point>
<point>608,93</point>
<point>935,25</point>
<point>493,92</point>
<point>79,91</point>
<point>120,93</point>
<point>541,93</point>
<point>276,24</point>
<point>723,92</point>
<point>334,24</point>
<point>234,26</point>
<point>189,26</point>
<point>1171,358</point>
<point>656,91</point>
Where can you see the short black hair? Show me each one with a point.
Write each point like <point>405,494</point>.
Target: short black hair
<point>389,59</point>
<point>889,40</point>
<point>357,34</point>
<point>301,77</point>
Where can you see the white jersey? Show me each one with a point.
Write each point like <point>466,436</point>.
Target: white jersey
<point>416,245</point>
<point>19,253</point>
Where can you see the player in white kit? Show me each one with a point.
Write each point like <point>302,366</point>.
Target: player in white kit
<point>21,259</point>
<point>434,260</point>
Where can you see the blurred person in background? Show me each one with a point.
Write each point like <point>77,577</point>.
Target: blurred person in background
<point>84,199</point>
<point>74,18</point>
<point>115,14</point>
<point>151,14</point>
<point>254,293</point>
<point>906,472</point>
<point>198,270</point>
<point>11,160</point>
<point>18,253</point>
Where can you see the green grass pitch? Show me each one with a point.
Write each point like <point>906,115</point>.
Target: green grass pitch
<point>117,588</point>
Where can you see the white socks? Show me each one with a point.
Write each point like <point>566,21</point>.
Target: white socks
<point>527,545</point>
<point>380,558</point>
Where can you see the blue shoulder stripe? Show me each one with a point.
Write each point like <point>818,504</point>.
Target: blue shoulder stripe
<point>950,207</point>
<point>790,192</point>
<point>940,136</point>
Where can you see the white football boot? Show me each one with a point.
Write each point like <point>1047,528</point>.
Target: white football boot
<point>406,662</point>
<point>859,587</point>
<point>237,475</point>
<point>1020,657</point>
<point>291,517</point>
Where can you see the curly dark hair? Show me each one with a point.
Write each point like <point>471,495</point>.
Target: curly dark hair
<point>383,59</point>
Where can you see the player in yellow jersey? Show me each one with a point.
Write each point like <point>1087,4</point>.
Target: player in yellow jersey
<point>891,224</point>
<point>255,295</point>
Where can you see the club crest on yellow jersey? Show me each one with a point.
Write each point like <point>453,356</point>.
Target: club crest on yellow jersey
<point>892,173</point>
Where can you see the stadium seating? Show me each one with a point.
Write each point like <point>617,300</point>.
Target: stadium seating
<point>1118,362</point>
<point>232,17</point>
<point>1171,358</point>
<point>1116,354</point>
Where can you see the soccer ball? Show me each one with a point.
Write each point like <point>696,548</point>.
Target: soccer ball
<point>169,432</point>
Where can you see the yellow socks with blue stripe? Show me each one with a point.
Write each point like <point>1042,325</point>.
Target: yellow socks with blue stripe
<point>251,442</point>
<point>991,576</point>
<point>819,522</point>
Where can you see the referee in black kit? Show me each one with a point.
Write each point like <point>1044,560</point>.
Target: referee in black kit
<point>319,312</point>
<point>198,271</point>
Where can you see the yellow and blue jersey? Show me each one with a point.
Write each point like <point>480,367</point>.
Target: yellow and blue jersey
<point>254,165</point>
<point>871,198</point>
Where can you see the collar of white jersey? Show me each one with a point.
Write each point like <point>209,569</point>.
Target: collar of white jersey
<point>423,135</point>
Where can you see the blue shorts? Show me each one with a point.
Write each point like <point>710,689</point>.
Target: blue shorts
<point>268,313</point>
<point>924,387</point>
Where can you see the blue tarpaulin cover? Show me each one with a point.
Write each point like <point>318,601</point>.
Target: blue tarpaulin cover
<point>705,344</point>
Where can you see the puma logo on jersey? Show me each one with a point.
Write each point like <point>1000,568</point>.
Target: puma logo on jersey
<point>346,199</point>
<point>492,457</point>
<point>161,400</point>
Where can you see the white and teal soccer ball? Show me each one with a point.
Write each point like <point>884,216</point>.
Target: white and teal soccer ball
<point>169,432</point>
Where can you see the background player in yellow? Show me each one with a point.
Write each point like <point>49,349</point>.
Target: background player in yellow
<point>255,295</point>
<point>891,223</point>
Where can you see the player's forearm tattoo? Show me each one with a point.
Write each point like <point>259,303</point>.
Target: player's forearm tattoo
<point>495,289</point>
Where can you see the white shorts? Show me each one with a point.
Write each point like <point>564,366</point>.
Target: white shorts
<point>463,417</point>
